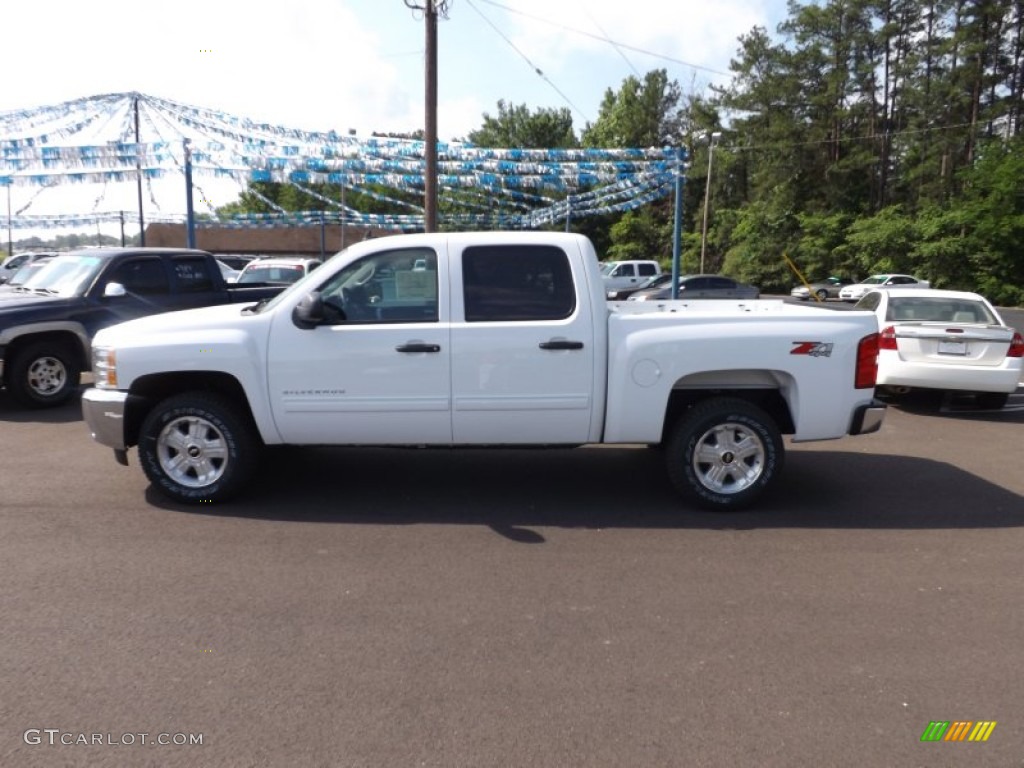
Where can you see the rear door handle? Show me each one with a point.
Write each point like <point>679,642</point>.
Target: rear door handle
<point>418,347</point>
<point>561,344</point>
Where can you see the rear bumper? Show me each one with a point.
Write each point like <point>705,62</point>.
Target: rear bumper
<point>970,378</point>
<point>868,418</point>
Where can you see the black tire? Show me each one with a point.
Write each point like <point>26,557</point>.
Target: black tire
<point>991,401</point>
<point>724,453</point>
<point>823,294</point>
<point>198,448</point>
<point>44,374</point>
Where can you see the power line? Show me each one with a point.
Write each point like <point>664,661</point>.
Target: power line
<point>605,39</point>
<point>533,66</point>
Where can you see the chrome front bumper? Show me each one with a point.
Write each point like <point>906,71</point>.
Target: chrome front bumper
<point>103,410</point>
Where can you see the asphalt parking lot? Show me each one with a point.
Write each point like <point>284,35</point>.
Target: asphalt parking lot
<point>516,608</point>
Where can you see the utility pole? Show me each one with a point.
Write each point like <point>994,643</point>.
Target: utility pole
<point>138,171</point>
<point>707,197</point>
<point>430,9</point>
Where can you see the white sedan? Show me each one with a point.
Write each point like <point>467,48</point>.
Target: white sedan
<point>945,341</point>
<point>856,291</point>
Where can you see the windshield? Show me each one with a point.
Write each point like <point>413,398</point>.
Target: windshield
<point>875,280</point>
<point>69,275</point>
<point>25,272</point>
<point>608,267</point>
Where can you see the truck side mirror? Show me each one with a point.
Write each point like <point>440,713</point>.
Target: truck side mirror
<point>113,290</point>
<point>309,312</point>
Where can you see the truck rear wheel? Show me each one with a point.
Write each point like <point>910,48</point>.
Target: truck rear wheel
<point>723,453</point>
<point>44,374</point>
<point>197,447</point>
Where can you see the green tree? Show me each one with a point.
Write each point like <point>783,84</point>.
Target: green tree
<point>518,127</point>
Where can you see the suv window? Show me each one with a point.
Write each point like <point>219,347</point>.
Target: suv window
<point>624,270</point>
<point>192,274</point>
<point>647,270</point>
<point>517,282</point>
<point>144,276</point>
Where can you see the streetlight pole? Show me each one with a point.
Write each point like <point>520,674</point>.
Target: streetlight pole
<point>707,198</point>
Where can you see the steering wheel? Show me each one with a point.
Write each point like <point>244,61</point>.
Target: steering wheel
<point>354,299</point>
<point>364,274</point>
<point>336,310</point>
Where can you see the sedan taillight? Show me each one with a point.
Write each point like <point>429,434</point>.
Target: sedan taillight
<point>1016,346</point>
<point>887,338</point>
<point>867,362</point>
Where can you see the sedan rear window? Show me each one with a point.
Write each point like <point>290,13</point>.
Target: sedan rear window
<point>940,310</point>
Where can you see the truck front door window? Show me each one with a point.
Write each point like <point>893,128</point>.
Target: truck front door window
<point>389,287</point>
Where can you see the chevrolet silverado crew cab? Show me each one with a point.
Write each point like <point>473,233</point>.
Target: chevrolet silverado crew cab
<point>47,323</point>
<point>503,339</point>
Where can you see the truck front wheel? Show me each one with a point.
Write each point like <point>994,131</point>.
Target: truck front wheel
<point>723,453</point>
<point>197,448</point>
<point>44,374</point>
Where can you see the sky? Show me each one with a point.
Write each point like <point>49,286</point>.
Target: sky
<point>357,65</point>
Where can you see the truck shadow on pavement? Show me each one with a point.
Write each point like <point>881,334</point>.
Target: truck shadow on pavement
<point>515,492</point>
<point>13,412</point>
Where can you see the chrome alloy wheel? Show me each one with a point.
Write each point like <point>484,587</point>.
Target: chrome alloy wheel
<point>47,375</point>
<point>192,451</point>
<point>729,458</point>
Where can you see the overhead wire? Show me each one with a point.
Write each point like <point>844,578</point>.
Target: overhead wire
<point>526,58</point>
<point>604,39</point>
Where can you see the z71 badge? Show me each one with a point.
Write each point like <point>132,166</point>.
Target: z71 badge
<point>812,348</point>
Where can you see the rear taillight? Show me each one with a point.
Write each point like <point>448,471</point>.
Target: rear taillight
<point>867,362</point>
<point>887,338</point>
<point>1016,346</point>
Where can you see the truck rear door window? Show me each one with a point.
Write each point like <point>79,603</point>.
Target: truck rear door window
<point>192,274</point>
<point>517,282</point>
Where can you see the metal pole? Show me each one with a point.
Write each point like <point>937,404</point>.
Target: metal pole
<point>190,214</point>
<point>10,240</point>
<point>707,197</point>
<point>677,223</point>
<point>138,172</point>
<point>323,236</point>
<point>121,213</point>
<point>430,134</point>
<point>344,217</point>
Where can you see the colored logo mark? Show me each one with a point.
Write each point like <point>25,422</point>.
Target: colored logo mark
<point>958,730</point>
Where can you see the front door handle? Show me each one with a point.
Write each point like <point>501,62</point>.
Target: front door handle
<point>416,346</point>
<point>561,344</point>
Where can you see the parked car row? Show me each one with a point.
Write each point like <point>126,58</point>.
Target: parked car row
<point>659,288</point>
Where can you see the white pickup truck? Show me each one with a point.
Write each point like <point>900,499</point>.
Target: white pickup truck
<point>480,339</point>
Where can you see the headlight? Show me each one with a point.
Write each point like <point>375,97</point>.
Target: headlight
<point>104,367</point>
